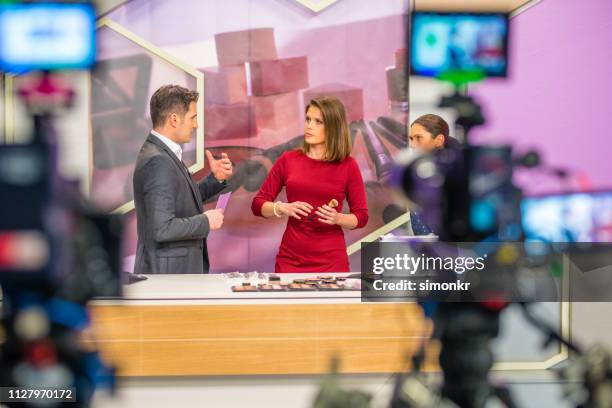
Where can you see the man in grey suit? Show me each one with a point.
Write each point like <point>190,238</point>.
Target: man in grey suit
<point>172,226</point>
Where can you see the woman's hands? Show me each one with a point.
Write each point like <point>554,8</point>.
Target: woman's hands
<point>328,215</point>
<point>296,209</point>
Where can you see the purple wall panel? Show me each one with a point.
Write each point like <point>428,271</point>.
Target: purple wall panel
<point>557,98</point>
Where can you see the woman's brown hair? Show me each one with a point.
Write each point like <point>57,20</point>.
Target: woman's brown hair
<point>434,124</point>
<point>337,136</point>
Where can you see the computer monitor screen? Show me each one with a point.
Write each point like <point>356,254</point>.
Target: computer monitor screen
<point>44,36</point>
<point>574,217</point>
<point>443,43</point>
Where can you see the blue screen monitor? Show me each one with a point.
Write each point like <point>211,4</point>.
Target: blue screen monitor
<point>574,217</point>
<point>45,36</point>
<point>443,43</point>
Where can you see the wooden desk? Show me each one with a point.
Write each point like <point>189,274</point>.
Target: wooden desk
<point>178,325</point>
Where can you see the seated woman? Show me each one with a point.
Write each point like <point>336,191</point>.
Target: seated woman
<point>429,134</point>
<point>318,177</point>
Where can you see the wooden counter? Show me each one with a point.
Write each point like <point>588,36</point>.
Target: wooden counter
<point>178,325</point>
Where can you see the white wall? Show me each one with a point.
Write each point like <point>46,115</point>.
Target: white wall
<point>424,96</point>
<point>530,390</point>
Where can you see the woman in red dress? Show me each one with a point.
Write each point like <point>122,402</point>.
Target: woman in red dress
<point>315,175</point>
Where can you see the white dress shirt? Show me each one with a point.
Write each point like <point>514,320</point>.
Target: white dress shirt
<point>174,147</point>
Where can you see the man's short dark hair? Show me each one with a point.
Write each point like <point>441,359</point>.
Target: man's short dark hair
<point>170,99</point>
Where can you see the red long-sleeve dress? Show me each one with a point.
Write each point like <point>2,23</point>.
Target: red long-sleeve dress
<point>309,245</point>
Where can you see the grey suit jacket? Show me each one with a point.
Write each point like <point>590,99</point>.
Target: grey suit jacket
<point>172,230</point>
